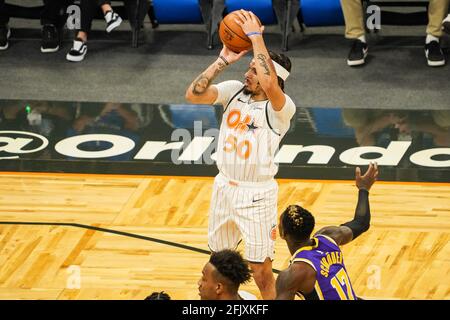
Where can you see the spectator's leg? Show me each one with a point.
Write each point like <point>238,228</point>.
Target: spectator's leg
<point>354,18</point>
<point>5,33</point>
<point>79,48</point>
<point>152,16</point>
<point>88,10</point>
<point>51,25</point>
<point>113,20</point>
<point>51,12</point>
<point>437,10</point>
<point>354,29</point>
<point>4,18</point>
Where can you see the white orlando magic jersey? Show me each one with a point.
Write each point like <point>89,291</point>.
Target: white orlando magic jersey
<point>250,134</point>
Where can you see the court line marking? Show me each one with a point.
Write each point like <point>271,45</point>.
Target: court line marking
<point>116,232</point>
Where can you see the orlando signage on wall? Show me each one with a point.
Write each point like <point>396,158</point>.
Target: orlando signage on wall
<point>200,151</point>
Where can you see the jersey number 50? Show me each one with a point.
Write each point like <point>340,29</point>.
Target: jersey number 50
<point>234,121</point>
<point>242,149</point>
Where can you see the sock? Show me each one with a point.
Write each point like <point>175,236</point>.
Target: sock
<point>108,16</point>
<point>363,38</point>
<point>430,38</point>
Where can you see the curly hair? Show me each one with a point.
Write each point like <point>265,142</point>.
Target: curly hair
<point>231,266</point>
<point>158,296</point>
<point>297,222</point>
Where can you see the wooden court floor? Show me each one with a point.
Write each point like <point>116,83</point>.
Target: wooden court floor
<point>405,254</point>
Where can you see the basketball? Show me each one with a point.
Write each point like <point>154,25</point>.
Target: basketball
<point>231,34</point>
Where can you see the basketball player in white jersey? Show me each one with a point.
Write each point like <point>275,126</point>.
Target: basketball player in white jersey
<point>256,116</point>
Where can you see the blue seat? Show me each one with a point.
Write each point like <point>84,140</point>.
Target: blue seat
<point>177,11</point>
<point>262,8</point>
<point>321,13</point>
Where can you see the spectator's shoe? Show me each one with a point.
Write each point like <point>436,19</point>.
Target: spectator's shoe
<point>151,15</point>
<point>113,20</point>
<point>50,39</point>
<point>446,24</point>
<point>358,53</point>
<point>433,53</point>
<point>155,24</point>
<point>5,33</point>
<point>78,51</point>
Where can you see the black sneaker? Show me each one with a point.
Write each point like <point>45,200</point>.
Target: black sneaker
<point>5,33</point>
<point>358,53</point>
<point>78,51</point>
<point>155,24</point>
<point>113,20</point>
<point>152,17</point>
<point>50,39</point>
<point>433,53</point>
<point>446,24</point>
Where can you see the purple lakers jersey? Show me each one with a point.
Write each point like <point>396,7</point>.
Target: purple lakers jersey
<point>332,281</point>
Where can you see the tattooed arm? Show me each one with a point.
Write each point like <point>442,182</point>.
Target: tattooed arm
<point>200,90</point>
<point>265,70</point>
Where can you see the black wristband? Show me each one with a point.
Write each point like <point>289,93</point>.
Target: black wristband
<point>224,60</point>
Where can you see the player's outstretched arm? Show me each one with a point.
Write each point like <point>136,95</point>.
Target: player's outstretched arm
<point>361,221</point>
<point>200,90</point>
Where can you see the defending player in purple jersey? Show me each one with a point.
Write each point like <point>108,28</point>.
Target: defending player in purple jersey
<point>317,269</point>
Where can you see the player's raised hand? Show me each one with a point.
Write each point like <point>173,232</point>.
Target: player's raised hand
<point>249,22</point>
<point>368,179</point>
<point>231,56</point>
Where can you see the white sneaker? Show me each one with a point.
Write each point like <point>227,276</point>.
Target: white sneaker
<point>113,20</point>
<point>78,51</point>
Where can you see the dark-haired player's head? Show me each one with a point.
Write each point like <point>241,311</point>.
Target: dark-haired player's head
<point>158,296</point>
<point>252,85</point>
<point>296,224</point>
<point>221,277</point>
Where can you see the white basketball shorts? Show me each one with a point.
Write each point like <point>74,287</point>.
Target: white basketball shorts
<point>245,211</point>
